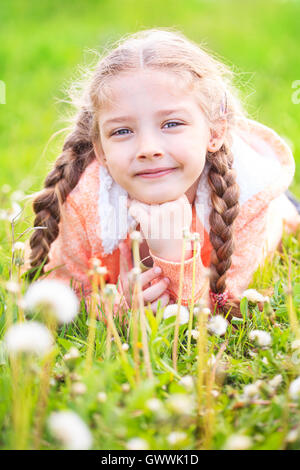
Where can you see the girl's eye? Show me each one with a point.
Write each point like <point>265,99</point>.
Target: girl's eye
<point>120,132</point>
<point>173,122</point>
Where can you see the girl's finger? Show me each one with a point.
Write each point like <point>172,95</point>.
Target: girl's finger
<point>154,292</point>
<point>163,300</point>
<point>150,275</point>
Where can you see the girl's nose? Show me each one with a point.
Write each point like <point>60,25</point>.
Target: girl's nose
<point>149,148</point>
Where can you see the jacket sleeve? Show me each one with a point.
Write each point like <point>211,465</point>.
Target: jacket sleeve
<point>171,269</point>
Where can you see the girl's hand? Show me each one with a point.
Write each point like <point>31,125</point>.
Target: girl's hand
<point>162,225</point>
<point>151,294</point>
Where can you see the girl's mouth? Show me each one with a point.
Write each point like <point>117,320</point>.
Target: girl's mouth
<point>156,174</point>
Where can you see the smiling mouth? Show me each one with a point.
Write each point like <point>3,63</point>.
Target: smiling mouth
<point>156,174</point>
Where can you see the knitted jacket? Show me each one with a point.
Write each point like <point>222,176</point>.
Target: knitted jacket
<point>95,220</point>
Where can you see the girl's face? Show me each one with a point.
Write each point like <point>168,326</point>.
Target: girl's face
<point>154,136</point>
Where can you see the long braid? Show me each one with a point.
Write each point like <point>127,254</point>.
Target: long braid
<point>225,202</point>
<point>77,154</point>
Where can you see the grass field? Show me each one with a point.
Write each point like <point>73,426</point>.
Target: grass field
<point>41,45</point>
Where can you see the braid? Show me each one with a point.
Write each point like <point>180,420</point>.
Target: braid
<point>77,154</point>
<point>224,198</point>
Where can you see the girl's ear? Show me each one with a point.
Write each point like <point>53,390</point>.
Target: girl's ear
<point>217,135</point>
<point>99,152</point>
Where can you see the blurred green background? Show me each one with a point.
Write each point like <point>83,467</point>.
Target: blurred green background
<point>42,43</point>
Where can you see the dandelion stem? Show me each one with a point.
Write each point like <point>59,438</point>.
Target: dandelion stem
<point>193,299</point>
<point>176,330</point>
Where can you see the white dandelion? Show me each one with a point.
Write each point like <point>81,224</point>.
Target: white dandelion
<point>180,404</point>
<point>78,388</point>
<point>53,295</point>
<point>276,381</point>
<point>254,296</point>
<point>217,325</point>
<point>171,311</point>
<point>262,338</point>
<point>176,437</point>
<point>29,338</point>
<point>294,390</point>
<point>68,427</point>
<point>187,381</point>
<point>137,443</point>
<point>101,397</point>
<point>154,405</point>
<point>238,442</point>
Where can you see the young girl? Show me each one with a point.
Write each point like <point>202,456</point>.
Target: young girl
<point>159,133</point>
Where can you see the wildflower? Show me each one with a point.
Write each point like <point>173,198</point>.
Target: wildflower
<point>12,287</point>
<point>262,338</point>
<point>14,213</point>
<point>251,391</point>
<point>101,397</point>
<point>69,428</point>
<point>180,404</point>
<point>195,334</point>
<point>19,246</point>
<point>28,337</point>
<point>186,233</point>
<point>125,347</point>
<point>72,354</point>
<point>171,311</point>
<point>125,388</point>
<point>53,295</point>
<point>292,435</point>
<point>276,381</point>
<point>217,325</point>
<point>175,438</point>
<point>134,275</point>
<point>137,443</point>
<point>187,382</point>
<point>78,388</point>
<point>295,344</point>
<point>238,442</point>
<point>154,404</point>
<point>294,390</point>
<point>254,296</point>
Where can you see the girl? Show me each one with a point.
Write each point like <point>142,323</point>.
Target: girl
<point>160,133</point>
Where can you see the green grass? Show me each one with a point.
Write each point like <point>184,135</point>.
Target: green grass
<point>41,45</point>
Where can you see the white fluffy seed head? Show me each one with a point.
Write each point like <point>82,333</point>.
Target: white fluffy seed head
<point>180,404</point>
<point>171,311</point>
<point>294,390</point>
<point>137,443</point>
<point>217,325</point>
<point>254,296</point>
<point>154,405</point>
<point>55,296</point>
<point>136,236</point>
<point>101,397</point>
<point>29,338</point>
<point>276,381</point>
<point>68,427</point>
<point>176,437</point>
<point>238,442</point>
<point>187,381</point>
<point>262,338</point>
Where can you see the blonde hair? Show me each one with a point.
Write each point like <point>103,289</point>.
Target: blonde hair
<point>212,82</point>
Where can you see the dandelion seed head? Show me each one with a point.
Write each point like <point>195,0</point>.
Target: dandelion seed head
<point>13,287</point>
<point>78,388</point>
<point>137,443</point>
<point>68,427</point>
<point>136,236</point>
<point>262,338</point>
<point>19,246</point>
<point>294,389</point>
<point>101,397</point>
<point>125,347</point>
<point>180,404</point>
<point>29,338</point>
<point>176,437</point>
<point>292,436</point>
<point>53,295</point>
<point>171,311</point>
<point>254,296</point>
<point>217,325</point>
<point>154,405</point>
<point>276,381</point>
<point>238,442</point>
<point>187,381</point>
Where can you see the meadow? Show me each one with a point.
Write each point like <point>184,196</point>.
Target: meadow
<point>232,386</point>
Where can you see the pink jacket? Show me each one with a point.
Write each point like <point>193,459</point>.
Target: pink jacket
<point>265,168</point>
